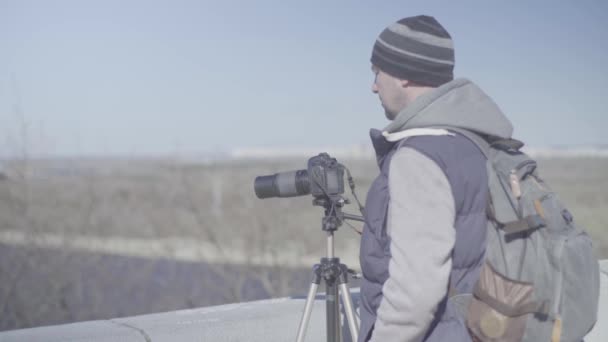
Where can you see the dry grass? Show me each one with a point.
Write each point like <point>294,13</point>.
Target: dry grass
<point>216,202</point>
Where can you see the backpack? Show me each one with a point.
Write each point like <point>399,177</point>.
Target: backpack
<point>540,280</point>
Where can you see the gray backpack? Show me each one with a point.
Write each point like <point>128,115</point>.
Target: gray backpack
<point>540,281</point>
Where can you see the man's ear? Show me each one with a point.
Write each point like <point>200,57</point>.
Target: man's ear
<point>404,83</point>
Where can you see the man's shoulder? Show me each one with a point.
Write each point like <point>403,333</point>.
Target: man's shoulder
<point>462,162</point>
<point>445,150</point>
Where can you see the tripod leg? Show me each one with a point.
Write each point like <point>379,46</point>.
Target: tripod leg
<point>310,300</point>
<point>353,326</point>
<point>332,303</point>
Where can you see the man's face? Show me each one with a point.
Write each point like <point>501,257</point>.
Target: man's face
<point>391,92</point>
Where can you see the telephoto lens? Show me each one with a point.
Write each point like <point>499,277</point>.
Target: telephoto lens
<point>283,184</point>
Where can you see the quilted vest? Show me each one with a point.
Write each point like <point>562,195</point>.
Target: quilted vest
<point>465,168</point>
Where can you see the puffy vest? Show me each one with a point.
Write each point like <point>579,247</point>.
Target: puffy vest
<point>465,168</point>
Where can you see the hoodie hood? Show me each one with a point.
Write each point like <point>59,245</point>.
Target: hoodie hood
<point>459,103</point>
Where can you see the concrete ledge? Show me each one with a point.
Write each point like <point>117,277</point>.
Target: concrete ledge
<point>95,331</point>
<point>600,331</point>
<point>266,320</point>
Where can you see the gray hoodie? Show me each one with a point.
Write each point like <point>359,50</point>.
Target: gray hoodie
<point>425,216</point>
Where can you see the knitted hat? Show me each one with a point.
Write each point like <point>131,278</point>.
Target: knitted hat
<point>417,49</point>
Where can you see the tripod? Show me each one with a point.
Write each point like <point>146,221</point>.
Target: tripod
<point>334,274</point>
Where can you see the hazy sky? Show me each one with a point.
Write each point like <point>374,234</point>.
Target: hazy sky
<point>190,77</point>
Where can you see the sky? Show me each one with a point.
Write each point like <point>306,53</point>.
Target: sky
<point>97,78</point>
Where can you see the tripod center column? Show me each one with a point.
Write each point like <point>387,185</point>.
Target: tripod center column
<point>330,244</point>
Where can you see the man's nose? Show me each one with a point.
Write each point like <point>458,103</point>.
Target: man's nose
<point>374,88</point>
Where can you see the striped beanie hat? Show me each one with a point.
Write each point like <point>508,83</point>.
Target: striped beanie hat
<point>417,49</point>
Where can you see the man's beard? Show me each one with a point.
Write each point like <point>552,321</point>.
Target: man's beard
<point>389,114</point>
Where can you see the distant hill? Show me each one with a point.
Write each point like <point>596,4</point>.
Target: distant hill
<point>70,165</point>
<point>348,152</point>
<point>366,152</point>
<point>568,151</point>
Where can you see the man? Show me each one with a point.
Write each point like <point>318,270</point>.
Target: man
<point>424,237</point>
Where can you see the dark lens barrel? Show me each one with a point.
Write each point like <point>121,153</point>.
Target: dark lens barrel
<point>264,186</point>
<point>284,184</point>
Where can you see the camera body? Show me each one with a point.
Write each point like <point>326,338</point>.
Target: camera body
<point>326,176</point>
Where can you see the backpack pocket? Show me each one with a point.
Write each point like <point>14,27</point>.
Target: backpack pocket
<point>500,307</point>
<point>578,285</point>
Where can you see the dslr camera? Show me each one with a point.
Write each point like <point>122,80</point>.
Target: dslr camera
<point>324,177</point>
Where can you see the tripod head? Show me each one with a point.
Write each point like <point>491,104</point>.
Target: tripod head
<point>334,216</point>
<point>323,179</point>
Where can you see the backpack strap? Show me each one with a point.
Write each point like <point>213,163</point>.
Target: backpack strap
<point>527,223</point>
<point>485,142</point>
<point>477,139</point>
<point>508,144</point>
